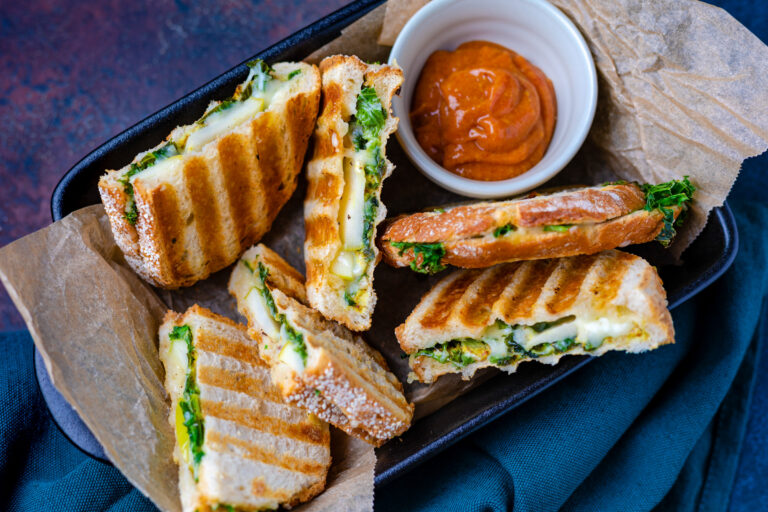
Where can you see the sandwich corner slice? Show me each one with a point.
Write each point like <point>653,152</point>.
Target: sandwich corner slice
<point>239,446</point>
<point>569,222</point>
<point>318,364</point>
<point>343,205</point>
<point>191,205</point>
<point>536,311</point>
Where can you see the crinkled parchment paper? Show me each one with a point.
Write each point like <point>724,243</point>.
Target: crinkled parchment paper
<point>95,323</point>
<point>681,92</point>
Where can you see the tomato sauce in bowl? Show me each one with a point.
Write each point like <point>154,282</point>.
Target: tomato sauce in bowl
<point>483,111</point>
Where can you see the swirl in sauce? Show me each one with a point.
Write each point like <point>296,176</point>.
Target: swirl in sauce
<point>483,111</point>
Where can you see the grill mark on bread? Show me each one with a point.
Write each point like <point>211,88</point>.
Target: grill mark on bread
<point>321,230</point>
<point>241,382</point>
<point>441,310</point>
<point>323,189</point>
<point>570,282</point>
<point>269,159</point>
<point>290,116</point>
<point>240,184</point>
<point>616,285</point>
<point>259,488</point>
<point>524,295</point>
<point>219,442</point>
<point>276,426</point>
<point>611,275</point>
<point>169,226</point>
<point>226,347</point>
<point>205,209</point>
<point>358,393</point>
<point>478,310</point>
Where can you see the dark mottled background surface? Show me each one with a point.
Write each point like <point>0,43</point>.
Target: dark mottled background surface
<point>73,74</point>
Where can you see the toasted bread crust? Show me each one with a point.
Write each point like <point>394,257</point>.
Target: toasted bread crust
<point>464,303</point>
<point>243,415</point>
<point>469,244</point>
<point>223,198</point>
<point>343,77</point>
<point>346,382</point>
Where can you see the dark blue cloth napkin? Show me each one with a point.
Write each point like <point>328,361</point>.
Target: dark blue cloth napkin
<point>627,432</point>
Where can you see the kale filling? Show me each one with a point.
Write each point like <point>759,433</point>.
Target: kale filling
<point>292,335</point>
<point>169,149</point>
<point>365,129</point>
<point>464,351</point>
<point>190,399</point>
<point>431,256</point>
<point>663,197</point>
<point>503,230</point>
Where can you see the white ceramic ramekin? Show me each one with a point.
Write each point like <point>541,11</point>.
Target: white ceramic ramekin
<point>533,28</point>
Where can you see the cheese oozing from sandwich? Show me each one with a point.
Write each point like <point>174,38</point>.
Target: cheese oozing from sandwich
<point>502,344</point>
<point>364,167</point>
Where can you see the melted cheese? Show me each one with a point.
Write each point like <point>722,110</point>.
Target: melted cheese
<point>582,331</point>
<point>290,356</point>
<point>164,167</point>
<point>349,264</point>
<point>177,365</point>
<point>256,303</point>
<point>352,205</point>
<point>222,122</point>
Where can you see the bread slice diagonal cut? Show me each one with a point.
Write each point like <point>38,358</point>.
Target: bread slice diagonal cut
<point>239,444</point>
<point>584,220</point>
<point>343,205</point>
<point>191,205</point>
<point>536,311</point>
<point>318,364</point>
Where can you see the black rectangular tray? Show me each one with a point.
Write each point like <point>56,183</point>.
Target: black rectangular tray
<point>704,261</point>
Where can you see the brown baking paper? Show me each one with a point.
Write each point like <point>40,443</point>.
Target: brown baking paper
<point>95,323</point>
<point>680,93</point>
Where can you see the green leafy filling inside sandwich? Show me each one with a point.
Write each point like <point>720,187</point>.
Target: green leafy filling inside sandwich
<point>251,97</point>
<point>502,344</point>
<point>665,197</point>
<point>364,167</point>
<point>426,257</point>
<point>190,430</point>
<point>292,349</point>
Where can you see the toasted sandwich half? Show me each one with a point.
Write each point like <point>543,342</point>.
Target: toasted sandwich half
<point>536,311</point>
<point>569,222</point>
<point>191,205</point>
<point>343,205</point>
<point>317,364</point>
<point>239,445</point>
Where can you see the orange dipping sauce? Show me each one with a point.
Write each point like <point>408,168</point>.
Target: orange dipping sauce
<point>483,111</point>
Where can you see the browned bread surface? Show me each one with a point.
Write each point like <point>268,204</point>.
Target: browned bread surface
<point>342,77</point>
<point>222,199</point>
<point>259,451</point>
<point>346,382</point>
<point>597,219</point>
<point>611,284</point>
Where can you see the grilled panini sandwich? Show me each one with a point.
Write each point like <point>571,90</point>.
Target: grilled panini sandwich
<point>317,363</point>
<point>191,205</point>
<point>239,445</point>
<point>536,311</point>
<point>583,220</point>
<point>343,204</point>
